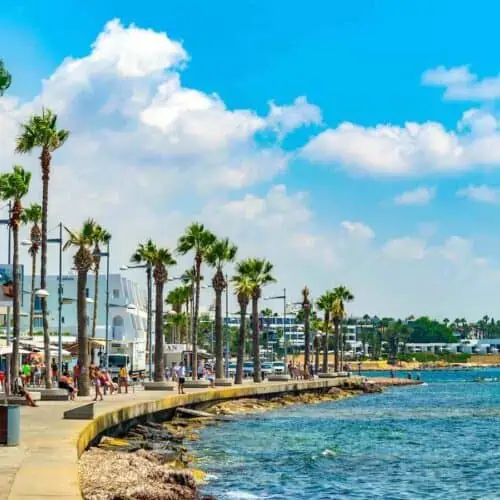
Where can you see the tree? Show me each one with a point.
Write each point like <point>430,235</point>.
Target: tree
<point>33,215</point>
<point>424,330</point>
<point>189,279</point>
<point>198,239</point>
<point>41,131</point>
<point>306,308</point>
<point>243,288</point>
<point>143,256</point>
<point>83,261</point>
<point>14,186</point>
<point>325,304</point>
<point>259,271</point>
<point>220,253</point>
<point>177,298</point>
<point>5,78</point>
<point>366,333</point>
<point>162,259</point>
<point>341,296</point>
<point>100,236</point>
<point>267,314</point>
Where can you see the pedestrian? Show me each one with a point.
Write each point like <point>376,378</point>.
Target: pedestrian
<point>20,389</point>
<point>98,384</point>
<point>201,370</point>
<point>181,378</point>
<point>290,369</point>
<point>53,368</point>
<point>359,367</point>
<point>123,381</point>
<point>173,372</point>
<point>76,373</point>
<point>392,373</point>
<point>409,375</point>
<point>26,373</point>
<point>211,377</point>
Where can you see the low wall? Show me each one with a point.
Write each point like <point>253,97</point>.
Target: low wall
<point>165,407</point>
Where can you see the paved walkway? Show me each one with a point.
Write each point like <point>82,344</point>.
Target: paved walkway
<point>46,462</point>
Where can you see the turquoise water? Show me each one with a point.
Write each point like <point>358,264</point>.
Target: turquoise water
<point>436,441</point>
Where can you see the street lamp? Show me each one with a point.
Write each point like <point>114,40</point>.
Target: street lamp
<point>284,319</point>
<point>106,254</point>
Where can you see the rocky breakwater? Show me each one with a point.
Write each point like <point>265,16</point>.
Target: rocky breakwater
<point>148,463</point>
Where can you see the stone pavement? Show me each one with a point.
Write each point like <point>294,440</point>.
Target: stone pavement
<point>46,462</point>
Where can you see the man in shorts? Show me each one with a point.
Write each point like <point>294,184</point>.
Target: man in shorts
<point>181,378</point>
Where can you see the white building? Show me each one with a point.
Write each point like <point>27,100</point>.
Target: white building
<point>127,307</point>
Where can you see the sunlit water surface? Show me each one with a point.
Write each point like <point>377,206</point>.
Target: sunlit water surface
<point>433,441</point>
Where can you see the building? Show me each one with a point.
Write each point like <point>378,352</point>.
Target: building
<point>127,307</point>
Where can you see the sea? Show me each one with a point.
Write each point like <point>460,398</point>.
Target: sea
<point>439,440</point>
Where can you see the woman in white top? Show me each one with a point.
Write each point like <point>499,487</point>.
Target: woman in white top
<point>181,378</point>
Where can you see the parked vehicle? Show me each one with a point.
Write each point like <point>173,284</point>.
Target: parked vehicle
<point>248,369</point>
<point>279,368</point>
<point>131,355</point>
<point>267,368</point>
<point>232,369</point>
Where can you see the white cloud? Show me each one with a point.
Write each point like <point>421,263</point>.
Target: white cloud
<point>285,119</point>
<point>413,149</point>
<point>462,85</point>
<point>406,248</point>
<point>419,196</point>
<point>482,194</point>
<point>358,230</point>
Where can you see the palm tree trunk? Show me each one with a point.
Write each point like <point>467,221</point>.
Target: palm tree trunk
<point>219,352</point>
<point>187,323</point>
<point>159,374</point>
<point>17,294</point>
<point>45,164</point>
<point>337,339</point>
<point>148,319</point>
<point>307,340</point>
<point>316,356</point>
<point>341,346</point>
<point>83,340</point>
<point>255,339</point>
<point>195,319</point>
<point>32,296</point>
<point>241,344</point>
<point>325,343</point>
<point>96,296</point>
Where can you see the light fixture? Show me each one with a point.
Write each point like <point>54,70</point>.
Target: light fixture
<point>89,300</point>
<point>124,268</point>
<point>131,307</point>
<point>41,292</point>
<point>26,243</point>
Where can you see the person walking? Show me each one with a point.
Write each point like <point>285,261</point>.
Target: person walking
<point>123,379</point>
<point>181,378</point>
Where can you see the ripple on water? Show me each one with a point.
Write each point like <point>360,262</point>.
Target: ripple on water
<point>433,442</point>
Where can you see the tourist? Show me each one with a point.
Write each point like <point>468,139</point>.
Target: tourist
<point>76,373</point>
<point>290,369</point>
<point>359,367</point>
<point>392,373</point>
<point>20,390</point>
<point>409,375</point>
<point>26,373</point>
<point>107,382</point>
<point>97,383</point>
<point>181,378</point>
<point>2,380</point>
<point>53,368</point>
<point>201,370</point>
<point>210,377</point>
<point>311,370</point>
<point>36,375</point>
<point>65,382</point>
<point>123,380</point>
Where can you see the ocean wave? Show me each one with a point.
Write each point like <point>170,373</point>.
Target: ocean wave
<point>328,453</point>
<point>241,495</point>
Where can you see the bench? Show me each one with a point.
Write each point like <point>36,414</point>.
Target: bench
<point>223,382</point>
<point>54,394</point>
<point>197,384</point>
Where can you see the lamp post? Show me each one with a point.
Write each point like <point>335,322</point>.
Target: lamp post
<point>106,347</point>
<point>284,319</point>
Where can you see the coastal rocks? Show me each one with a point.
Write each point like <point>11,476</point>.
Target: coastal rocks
<point>112,475</point>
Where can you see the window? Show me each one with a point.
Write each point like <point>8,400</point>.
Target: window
<point>86,292</point>
<point>116,293</point>
<point>62,320</point>
<point>37,322</point>
<point>38,303</point>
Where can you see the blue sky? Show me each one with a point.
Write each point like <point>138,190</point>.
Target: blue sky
<point>368,63</point>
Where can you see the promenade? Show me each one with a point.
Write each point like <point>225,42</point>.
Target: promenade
<point>45,464</point>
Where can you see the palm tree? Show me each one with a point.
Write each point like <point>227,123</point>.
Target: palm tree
<point>33,215</point>
<point>306,308</point>
<point>162,259</point>
<point>83,261</point>
<point>188,278</point>
<point>341,296</point>
<point>220,253</point>
<point>243,287</point>
<point>267,314</point>
<point>41,132</point>
<point>143,256</point>
<point>177,298</point>
<point>199,239</point>
<point>259,271</point>
<point>14,186</point>
<point>325,304</point>
<point>5,78</point>
<point>100,236</point>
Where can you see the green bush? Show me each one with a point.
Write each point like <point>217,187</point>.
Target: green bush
<point>428,357</point>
